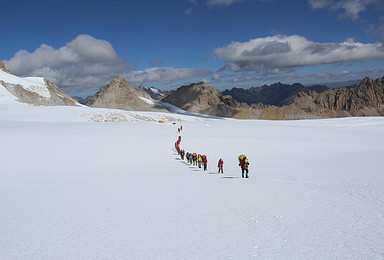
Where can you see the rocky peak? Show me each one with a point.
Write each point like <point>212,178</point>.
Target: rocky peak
<point>366,100</point>
<point>371,92</point>
<point>199,98</point>
<point>119,94</point>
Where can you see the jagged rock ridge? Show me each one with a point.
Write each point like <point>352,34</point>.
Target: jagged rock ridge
<point>277,94</point>
<point>365,100</point>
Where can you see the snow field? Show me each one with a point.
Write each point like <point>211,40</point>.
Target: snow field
<point>81,190</point>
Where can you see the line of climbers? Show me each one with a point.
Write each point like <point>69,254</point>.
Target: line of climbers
<point>199,160</point>
<point>192,158</point>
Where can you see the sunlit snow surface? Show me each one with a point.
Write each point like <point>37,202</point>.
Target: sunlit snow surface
<point>74,189</point>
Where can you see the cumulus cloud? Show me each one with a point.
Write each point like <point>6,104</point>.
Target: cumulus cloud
<point>350,8</point>
<point>280,53</point>
<point>222,2</point>
<point>82,62</point>
<point>164,74</point>
<point>86,62</point>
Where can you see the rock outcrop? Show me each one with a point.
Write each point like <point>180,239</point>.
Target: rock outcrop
<point>3,68</point>
<point>119,94</point>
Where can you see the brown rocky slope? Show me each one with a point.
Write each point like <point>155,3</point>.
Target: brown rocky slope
<point>119,94</point>
<point>198,98</point>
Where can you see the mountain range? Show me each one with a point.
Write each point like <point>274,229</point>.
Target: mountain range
<point>277,94</point>
<point>366,99</point>
<point>277,101</point>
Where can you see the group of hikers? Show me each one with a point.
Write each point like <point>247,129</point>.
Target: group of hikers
<point>197,159</point>
<point>192,158</point>
<point>201,160</point>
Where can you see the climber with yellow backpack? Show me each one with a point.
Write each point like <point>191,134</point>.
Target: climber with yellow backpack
<point>243,163</point>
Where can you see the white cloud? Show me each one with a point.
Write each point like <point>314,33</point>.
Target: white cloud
<point>351,8</point>
<point>164,74</point>
<point>222,2</point>
<point>86,62</point>
<point>81,63</point>
<point>279,53</point>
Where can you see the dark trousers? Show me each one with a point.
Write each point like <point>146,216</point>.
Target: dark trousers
<point>221,169</point>
<point>246,172</point>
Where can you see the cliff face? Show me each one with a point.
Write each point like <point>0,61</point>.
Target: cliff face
<point>118,94</point>
<point>365,100</point>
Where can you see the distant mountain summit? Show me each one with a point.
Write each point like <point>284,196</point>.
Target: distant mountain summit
<point>119,94</point>
<point>277,94</point>
<point>33,90</point>
<point>155,93</point>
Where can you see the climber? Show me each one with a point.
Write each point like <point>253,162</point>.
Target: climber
<point>204,161</point>
<point>220,165</point>
<point>199,160</point>
<point>243,163</point>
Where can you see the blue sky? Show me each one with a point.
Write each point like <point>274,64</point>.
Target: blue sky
<point>81,45</point>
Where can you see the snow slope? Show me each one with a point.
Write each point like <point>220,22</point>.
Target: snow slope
<point>33,84</point>
<point>86,190</point>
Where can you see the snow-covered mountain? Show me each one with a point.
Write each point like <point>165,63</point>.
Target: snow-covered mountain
<point>32,90</point>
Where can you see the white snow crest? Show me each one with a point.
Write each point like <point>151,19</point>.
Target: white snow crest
<point>33,84</point>
<point>148,101</point>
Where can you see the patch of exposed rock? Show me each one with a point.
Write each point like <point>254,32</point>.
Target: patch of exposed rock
<point>119,94</point>
<point>3,68</point>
